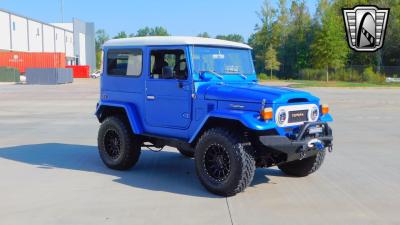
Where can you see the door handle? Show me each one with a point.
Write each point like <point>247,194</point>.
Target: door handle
<point>180,84</point>
<point>151,97</point>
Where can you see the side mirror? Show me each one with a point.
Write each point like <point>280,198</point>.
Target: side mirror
<point>204,76</point>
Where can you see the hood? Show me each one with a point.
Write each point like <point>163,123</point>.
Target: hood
<point>256,93</point>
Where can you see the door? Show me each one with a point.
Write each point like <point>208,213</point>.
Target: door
<point>168,89</point>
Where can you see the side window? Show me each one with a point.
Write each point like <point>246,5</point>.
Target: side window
<point>168,64</point>
<point>124,62</point>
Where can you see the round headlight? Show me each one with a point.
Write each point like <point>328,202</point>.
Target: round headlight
<point>281,116</point>
<point>314,114</point>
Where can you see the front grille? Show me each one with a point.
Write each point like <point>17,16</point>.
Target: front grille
<point>298,116</point>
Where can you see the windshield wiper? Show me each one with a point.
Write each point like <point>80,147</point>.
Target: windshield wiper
<point>241,75</point>
<point>219,76</point>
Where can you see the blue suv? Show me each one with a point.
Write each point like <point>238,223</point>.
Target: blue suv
<point>202,97</point>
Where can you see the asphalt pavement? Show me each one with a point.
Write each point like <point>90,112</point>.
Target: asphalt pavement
<point>50,172</point>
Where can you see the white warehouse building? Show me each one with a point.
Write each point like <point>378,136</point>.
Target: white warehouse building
<point>22,34</point>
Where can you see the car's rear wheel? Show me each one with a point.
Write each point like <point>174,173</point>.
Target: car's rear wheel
<point>119,149</point>
<point>305,167</point>
<point>223,163</point>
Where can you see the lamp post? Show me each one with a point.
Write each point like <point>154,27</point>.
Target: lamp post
<point>62,10</point>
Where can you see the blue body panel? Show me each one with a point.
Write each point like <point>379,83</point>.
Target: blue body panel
<point>253,92</point>
<point>179,109</point>
<point>130,109</point>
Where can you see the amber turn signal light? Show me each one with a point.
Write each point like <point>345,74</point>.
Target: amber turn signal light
<point>266,114</point>
<point>325,109</point>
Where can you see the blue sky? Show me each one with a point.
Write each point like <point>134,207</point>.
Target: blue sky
<point>180,17</point>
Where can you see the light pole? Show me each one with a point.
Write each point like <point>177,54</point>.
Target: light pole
<point>62,10</point>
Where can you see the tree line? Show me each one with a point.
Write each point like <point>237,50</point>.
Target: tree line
<point>102,37</point>
<point>290,43</point>
<point>299,45</point>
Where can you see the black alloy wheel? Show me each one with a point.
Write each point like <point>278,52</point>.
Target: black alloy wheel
<point>112,144</point>
<point>216,162</point>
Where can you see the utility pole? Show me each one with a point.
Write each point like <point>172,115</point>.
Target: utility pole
<point>62,10</point>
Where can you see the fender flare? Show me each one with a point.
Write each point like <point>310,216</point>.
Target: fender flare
<point>326,118</point>
<point>247,119</point>
<point>130,112</point>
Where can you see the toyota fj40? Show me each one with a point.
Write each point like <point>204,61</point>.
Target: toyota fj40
<point>202,97</point>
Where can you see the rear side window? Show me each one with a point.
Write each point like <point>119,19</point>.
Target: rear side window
<point>125,62</point>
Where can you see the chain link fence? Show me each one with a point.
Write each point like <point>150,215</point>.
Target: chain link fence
<point>355,73</point>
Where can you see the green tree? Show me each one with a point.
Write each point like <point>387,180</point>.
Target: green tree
<point>101,38</point>
<point>147,31</point>
<point>302,41</point>
<point>159,31</point>
<point>120,35</point>
<point>142,32</point>
<point>389,54</point>
<point>322,6</point>
<point>299,38</point>
<point>204,35</point>
<point>267,14</point>
<point>271,61</point>
<point>262,38</point>
<point>231,37</point>
<point>330,50</point>
<point>280,33</point>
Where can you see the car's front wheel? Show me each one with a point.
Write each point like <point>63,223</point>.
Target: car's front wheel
<point>305,167</point>
<point>223,164</point>
<point>119,149</point>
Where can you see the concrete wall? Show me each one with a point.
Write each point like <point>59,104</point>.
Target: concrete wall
<point>76,40</point>
<point>35,36</point>
<point>19,34</point>
<point>65,26</point>
<point>84,45</point>
<point>60,40</point>
<point>90,46</point>
<point>48,38</point>
<point>69,44</point>
<point>68,37</point>
<point>5,40</point>
<point>82,49</point>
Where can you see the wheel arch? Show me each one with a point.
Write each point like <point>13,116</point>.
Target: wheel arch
<point>214,121</point>
<point>246,120</point>
<point>128,111</point>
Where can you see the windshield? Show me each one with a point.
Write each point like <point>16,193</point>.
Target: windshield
<point>224,61</point>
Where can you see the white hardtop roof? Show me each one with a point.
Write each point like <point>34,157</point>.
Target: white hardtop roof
<point>173,40</point>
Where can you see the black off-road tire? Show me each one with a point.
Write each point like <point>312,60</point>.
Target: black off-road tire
<point>185,151</point>
<point>241,163</point>
<point>305,167</point>
<point>116,132</point>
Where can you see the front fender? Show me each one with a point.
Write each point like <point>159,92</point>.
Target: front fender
<point>326,118</point>
<point>130,111</point>
<point>248,119</point>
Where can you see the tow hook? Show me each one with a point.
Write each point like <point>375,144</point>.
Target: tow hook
<point>330,148</point>
<point>313,144</point>
<point>316,144</point>
<point>302,153</point>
